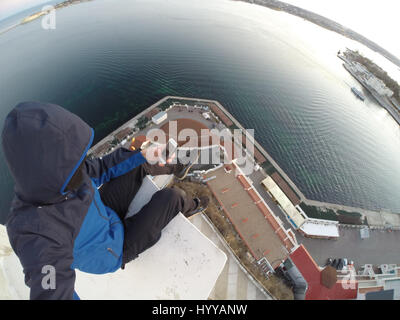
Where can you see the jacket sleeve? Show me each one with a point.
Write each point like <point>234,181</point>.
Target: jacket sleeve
<point>46,265</point>
<point>113,165</point>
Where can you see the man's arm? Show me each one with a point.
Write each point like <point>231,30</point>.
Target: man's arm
<point>47,267</point>
<point>113,165</point>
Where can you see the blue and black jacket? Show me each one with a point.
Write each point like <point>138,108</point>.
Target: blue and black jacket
<point>44,145</point>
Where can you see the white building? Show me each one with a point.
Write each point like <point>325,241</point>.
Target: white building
<point>206,115</point>
<point>295,217</point>
<point>159,117</point>
<point>379,86</point>
<point>360,68</point>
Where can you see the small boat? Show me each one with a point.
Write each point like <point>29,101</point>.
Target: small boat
<point>358,93</point>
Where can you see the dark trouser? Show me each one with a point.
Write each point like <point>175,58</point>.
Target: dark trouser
<point>144,228</point>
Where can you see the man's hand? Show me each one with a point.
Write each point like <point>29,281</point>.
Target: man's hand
<point>153,155</point>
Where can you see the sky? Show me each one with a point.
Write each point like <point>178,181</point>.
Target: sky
<point>11,7</point>
<point>376,20</point>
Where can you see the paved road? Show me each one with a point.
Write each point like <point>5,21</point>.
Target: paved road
<point>382,247</point>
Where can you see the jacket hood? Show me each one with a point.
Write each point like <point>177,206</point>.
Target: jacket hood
<point>44,144</point>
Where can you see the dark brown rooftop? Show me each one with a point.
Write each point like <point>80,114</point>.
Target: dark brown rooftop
<point>220,114</point>
<point>122,134</point>
<point>257,154</point>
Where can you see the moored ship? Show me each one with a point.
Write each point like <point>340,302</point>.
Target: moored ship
<point>358,93</point>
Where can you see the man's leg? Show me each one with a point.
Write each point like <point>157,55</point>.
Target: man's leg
<point>118,193</point>
<point>143,229</point>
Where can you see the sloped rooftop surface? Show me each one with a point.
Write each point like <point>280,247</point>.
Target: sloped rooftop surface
<point>284,201</point>
<point>312,274</point>
<point>250,222</point>
<point>184,264</point>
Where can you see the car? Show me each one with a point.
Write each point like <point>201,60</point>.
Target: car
<point>328,262</point>
<point>340,264</point>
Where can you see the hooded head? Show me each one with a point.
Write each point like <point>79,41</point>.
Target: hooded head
<point>44,145</point>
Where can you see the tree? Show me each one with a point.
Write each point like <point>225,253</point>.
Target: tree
<point>142,121</point>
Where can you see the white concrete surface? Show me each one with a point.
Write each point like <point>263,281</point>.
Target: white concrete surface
<point>320,228</point>
<point>233,283</point>
<point>184,264</point>
<point>143,196</point>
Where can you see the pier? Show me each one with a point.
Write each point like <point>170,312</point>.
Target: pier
<point>381,100</point>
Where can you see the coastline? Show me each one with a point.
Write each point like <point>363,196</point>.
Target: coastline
<point>325,23</point>
<point>376,219</point>
<point>391,107</point>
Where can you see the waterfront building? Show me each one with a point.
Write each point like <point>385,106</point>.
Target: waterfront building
<point>221,115</point>
<point>309,279</point>
<point>370,80</point>
<point>152,113</point>
<point>379,86</point>
<point>262,232</point>
<point>384,284</point>
<point>295,216</point>
<point>159,117</point>
<point>100,150</point>
<point>206,116</point>
<point>121,135</point>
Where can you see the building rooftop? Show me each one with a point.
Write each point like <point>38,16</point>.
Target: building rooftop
<point>312,274</point>
<point>320,228</point>
<point>120,135</point>
<point>295,216</point>
<point>102,148</point>
<point>137,143</point>
<point>257,154</point>
<point>152,113</point>
<point>201,133</point>
<point>285,188</point>
<point>220,114</point>
<point>380,295</point>
<point>261,237</point>
<point>158,116</point>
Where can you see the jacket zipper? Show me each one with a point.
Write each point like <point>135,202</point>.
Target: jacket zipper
<point>113,253</point>
<point>98,210</point>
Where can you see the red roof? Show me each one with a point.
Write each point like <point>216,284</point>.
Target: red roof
<point>244,182</point>
<point>253,195</point>
<point>312,274</point>
<point>228,168</point>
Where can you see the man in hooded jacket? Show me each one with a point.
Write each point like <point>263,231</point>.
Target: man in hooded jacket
<point>59,221</point>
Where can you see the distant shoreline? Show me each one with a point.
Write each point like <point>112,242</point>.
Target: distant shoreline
<point>271,4</point>
<point>325,23</point>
